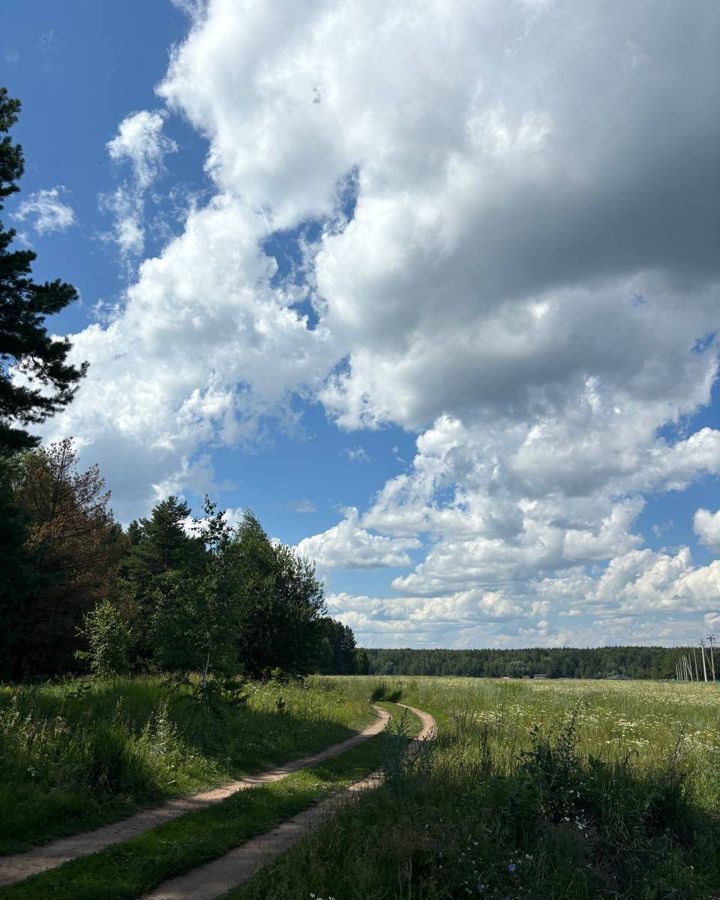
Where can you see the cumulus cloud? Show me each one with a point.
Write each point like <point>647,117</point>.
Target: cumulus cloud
<point>348,545</point>
<point>707,528</point>
<point>186,361</point>
<point>46,211</point>
<point>517,261</point>
<point>428,620</point>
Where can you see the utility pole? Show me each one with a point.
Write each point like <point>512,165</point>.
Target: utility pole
<point>711,641</point>
<point>702,651</point>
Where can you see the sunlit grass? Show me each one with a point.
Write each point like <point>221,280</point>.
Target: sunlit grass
<point>84,752</point>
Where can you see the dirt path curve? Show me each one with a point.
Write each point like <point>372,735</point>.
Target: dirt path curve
<point>239,865</point>
<point>22,865</point>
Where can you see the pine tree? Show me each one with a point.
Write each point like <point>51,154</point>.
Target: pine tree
<point>47,381</point>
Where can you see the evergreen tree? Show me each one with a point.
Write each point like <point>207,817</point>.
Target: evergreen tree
<point>48,382</point>
<point>163,563</point>
<point>340,656</point>
<point>194,625</point>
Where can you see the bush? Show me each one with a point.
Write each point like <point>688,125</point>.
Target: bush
<point>110,641</point>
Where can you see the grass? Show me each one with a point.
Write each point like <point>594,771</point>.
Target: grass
<point>79,754</point>
<point>541,790</point>
<point>136,866</point>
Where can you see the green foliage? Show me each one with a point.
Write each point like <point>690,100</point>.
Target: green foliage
<point>337,654</point>
<point>65,553</point>
<point>278,602</point>
<point>25,343</point>
<point>159,572</point>
<point>382,691</point>
<point>362,662</point>
<point>17,576</point>
<point>109,639</point>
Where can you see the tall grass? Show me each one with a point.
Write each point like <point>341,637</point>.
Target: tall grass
<point>544,790</point>
<point>76,754</point>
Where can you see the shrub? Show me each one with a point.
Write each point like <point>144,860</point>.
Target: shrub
<point>110,641</point>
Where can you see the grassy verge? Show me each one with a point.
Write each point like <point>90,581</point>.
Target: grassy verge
<point>136,866</point>
<point>554,791</point>
<point>82,753</point>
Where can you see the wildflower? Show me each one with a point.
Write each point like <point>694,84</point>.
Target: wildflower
<point>511,868</point>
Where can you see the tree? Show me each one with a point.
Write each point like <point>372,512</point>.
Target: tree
<point>46,382</point>
<point>340,658</point>
<point>75,547</point>
<point>279,601</point>
<point>110,640</point>
<point>362,662</point>
<point>163,558</point>
<point>163,542</point>
<point>194,624</point>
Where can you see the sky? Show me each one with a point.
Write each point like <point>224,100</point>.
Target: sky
<point>431,286</point>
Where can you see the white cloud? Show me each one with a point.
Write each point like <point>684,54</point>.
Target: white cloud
<point>348,545</point>
<point>644,581</point>
<point>47,211</point>
<point>707,527</point>
<point>141,143</point>
<point>185,361</point>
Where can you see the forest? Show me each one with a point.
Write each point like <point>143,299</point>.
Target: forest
<point>555,662</point>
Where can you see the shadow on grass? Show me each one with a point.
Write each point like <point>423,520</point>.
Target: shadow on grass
<point>134,867</point>
<point>77,755</point>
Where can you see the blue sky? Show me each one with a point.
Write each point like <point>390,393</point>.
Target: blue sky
<point>435,294</point>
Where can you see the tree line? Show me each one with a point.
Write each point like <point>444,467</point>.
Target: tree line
<point>169,593</point>
<point>560,662</point>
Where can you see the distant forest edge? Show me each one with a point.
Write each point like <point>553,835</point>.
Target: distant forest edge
<point>564,662</point>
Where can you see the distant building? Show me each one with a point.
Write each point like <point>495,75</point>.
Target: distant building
<point>539,675</point>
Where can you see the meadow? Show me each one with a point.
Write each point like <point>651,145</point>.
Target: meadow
<point>532,788</point>
<point>543,789</point>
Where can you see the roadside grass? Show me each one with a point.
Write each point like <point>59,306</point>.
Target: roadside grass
<point>555,790</point>
<point>132,868</point>
<point>81,753</point>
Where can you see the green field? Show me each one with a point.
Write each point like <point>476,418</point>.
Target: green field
<point>544,789</point>
<point>541,789</point>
